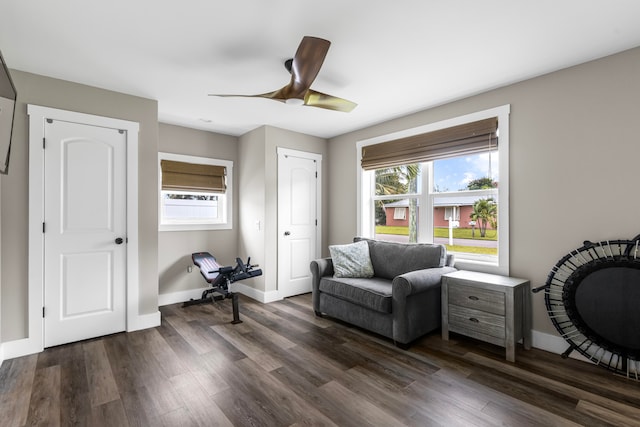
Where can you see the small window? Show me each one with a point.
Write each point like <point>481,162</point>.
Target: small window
<point>195,193</point>
<point>400,213</point>
<point>452,212</point>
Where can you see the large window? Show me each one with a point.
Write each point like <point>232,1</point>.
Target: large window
<point>455,194</point>
<point>195,193</point>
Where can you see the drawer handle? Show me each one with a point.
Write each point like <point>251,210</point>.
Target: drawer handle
<point>473,298</point>
<point>474,320</point>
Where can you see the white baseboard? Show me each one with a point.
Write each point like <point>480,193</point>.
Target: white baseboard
<point>21,347</point>
<point>27,346</point>
<point>182,296</point>
<point>554,344</point>
<point>143,321</point>
<point>262,296</point>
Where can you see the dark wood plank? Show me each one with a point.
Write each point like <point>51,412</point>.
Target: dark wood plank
<point>102,384</point>
<point>44,407</point>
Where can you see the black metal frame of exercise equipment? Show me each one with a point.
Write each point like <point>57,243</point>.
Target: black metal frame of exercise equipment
<point>592,296</point>
<point>219,279</point>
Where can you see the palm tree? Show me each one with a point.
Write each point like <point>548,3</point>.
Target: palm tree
<point>485,211</point>
<point>400,180</point>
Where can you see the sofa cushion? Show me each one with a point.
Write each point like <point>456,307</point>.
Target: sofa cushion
<point>374,293</point>
<point>391,259</point>
<point>351,260</point>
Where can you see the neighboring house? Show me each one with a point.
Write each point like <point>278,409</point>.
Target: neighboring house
<point>458,208</point>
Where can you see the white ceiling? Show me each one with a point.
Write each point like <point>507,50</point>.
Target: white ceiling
<point>392,58</point>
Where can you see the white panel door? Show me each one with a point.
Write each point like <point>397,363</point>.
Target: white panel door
<point>85,232</point>
<point>297,223</point>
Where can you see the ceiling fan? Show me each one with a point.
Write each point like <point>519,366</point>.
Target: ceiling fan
<point>304,68</point>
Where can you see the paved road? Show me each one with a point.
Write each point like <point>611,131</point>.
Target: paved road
<point>442,241</point>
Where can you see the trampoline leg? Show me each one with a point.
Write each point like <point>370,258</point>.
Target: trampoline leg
<point>236,314</point>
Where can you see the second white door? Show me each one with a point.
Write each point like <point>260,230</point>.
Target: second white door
<point>298,215</point>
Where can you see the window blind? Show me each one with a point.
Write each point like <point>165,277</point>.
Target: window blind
<point>181,176</point>
<point>469,138</point>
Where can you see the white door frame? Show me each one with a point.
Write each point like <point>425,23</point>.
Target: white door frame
<point>282,152</point>
<point>34,343</point>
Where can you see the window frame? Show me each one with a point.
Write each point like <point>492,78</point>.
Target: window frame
<point>365,183</point>
<point>226,224</point>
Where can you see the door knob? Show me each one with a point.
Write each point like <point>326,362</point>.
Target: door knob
<point>119,241</point>
<point>286,233</point>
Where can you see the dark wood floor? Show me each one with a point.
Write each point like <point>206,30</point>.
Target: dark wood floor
<point>283,367</point>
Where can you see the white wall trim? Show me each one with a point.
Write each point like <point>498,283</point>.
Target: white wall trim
<point>553,344</point>
<point>182,296</point>
<point>35,340</point>
<point>264,297</point>
<point>143,321</point>
<point>20,347</point>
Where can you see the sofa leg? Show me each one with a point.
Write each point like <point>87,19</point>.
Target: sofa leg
<point>318,314</point>
<point>401,345</point>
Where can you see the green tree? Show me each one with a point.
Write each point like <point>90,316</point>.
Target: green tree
<point>485,212</point>
<point>481,184</point>
<point>400,180</point>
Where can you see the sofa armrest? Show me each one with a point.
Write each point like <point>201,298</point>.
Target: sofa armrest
<point>450,260</point>
<point>418,281</point>
<point>322,267</point>
<point>319,268</point>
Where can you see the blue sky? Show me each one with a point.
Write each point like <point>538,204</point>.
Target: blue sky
<point>454,174</point>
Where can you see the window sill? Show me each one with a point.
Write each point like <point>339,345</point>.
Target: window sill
<point>194,227</point>
<point>478,264</point>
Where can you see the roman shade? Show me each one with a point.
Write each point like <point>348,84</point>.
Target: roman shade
<point>469,138</point>
<point>192,177</point>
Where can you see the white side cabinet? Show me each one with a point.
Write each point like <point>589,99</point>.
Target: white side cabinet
<point>488,307</point>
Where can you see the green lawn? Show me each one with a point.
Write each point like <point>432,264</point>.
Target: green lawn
<point>472,249</point>
<point>398,231</point>
<point>458,233</point>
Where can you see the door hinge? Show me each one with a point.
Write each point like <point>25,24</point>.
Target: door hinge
<point>43,227</point>
<point>44,143</point>
<point>42,311</point>
<point>316,222</point>
<point>316,175</point>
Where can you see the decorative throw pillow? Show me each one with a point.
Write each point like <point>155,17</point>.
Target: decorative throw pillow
<point>351,260</point>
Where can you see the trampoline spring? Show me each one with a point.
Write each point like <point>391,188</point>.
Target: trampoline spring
<point>610,250</point>
<point>570,334</point>
<point>565,322</point>
<point>610,361</point>
<point>585,261</point>
<point>635,253</point>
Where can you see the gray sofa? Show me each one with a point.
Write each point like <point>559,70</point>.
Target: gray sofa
<point>401,301</point>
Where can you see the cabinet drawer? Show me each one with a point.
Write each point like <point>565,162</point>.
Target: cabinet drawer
<point>477,298</point>
<point>466,320</point>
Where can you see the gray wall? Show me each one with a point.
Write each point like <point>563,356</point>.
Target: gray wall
<point>175,247</point>
<point>252,189</point>
<point>39,90</point>
<point>259,191</point>
<point>574,150</point>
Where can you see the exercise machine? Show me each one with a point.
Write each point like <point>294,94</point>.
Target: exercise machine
<point>219,279</point>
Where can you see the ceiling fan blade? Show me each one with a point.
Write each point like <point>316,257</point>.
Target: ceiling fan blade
<point>322,100</point>
<point>306,65</point>
<point>276,95</point>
